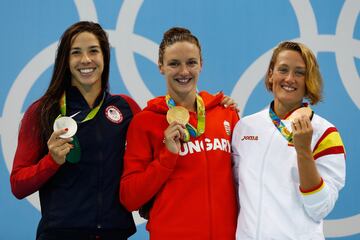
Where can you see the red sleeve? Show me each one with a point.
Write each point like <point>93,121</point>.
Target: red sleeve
<point>30,170</point>
<point>144,174</point>
<point>133,105</point>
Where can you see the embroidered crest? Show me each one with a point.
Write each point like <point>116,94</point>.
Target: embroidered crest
<point>227,127</point>
<point>113,114</point>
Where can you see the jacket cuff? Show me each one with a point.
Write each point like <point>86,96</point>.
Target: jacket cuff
<point>167,159</point>
<point>313,190</point>
<point>315,196</point>
<point>51,162</point>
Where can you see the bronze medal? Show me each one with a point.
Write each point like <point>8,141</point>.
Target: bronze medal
<point>178,114</point>
<point>298,113</point>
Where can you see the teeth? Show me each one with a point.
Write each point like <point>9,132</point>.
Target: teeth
<point>288,88</point>
<point>86,70</point>
<point>183,80</point>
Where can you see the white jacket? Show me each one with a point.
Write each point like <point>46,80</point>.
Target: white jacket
<point>265,168</point>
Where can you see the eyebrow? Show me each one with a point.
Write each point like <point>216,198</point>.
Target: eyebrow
<point>286,65</point>
<point>94,46</point>
<point>175,59</point>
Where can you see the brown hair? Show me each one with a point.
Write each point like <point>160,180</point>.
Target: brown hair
<point>48,108</point>
<point>173,35</point>
<point>313,79</point>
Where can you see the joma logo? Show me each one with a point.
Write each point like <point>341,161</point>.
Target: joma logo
<point>254,138</point>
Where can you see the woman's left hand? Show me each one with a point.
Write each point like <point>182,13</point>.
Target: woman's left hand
<point>229,102</point>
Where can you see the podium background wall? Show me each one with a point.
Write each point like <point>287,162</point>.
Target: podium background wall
<point>237,37</point>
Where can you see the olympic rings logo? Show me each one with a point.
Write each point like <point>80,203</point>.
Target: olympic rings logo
<point>126,42</point>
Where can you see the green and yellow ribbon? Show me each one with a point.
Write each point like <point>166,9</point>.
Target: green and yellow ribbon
<point>191,130</point>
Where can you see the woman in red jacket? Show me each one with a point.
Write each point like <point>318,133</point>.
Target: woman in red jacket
<point>178,153</point>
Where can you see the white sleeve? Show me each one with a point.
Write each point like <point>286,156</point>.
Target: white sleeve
<point>235,152</point>
<point>319,203</point>
<point>236,159</point>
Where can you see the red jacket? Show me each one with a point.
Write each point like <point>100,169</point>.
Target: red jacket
<point>194,190</point>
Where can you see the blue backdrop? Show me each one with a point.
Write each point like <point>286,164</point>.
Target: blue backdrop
<point>237,37</point>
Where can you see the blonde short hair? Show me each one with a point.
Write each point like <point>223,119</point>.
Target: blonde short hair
<point>313,79</point>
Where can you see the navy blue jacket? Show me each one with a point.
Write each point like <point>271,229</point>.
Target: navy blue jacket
<point>85,196</point>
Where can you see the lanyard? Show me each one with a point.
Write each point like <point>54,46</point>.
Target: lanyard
<point>194,132</point>
<point>88,117</point>
<point>280,125</point>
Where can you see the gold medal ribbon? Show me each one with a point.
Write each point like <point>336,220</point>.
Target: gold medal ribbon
<point>191,130</point>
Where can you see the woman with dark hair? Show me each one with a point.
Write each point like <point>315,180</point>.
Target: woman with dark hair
<point>289,162</point>
<point>178,154</point>
<point>77,176</point>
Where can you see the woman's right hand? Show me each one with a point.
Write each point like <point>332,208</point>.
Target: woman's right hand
<point>59,147</point>
<point>174,133</point>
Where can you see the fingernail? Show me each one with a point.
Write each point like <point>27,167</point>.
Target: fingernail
<point>66,129</point>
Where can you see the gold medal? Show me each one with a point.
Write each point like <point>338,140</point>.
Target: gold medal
<point>298,113</point>
<point>178,114</point>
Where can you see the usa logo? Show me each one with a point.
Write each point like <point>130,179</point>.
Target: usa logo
<point>113,114</point>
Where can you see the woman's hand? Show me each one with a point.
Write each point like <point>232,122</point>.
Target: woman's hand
<point>302,133</point>
<point>174,133</point>
<point>59,147</point>
<point>229,102</point>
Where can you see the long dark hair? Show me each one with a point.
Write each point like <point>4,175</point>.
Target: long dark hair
<point>48,108</point>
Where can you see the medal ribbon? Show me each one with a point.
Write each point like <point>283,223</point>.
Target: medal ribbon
<point>88,117</point>
<point>194,132</point>
<point>280,125</point>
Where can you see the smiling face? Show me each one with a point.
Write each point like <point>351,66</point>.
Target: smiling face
<point>181,67</point>
<point>86,62</point>
<point>287,80</point>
